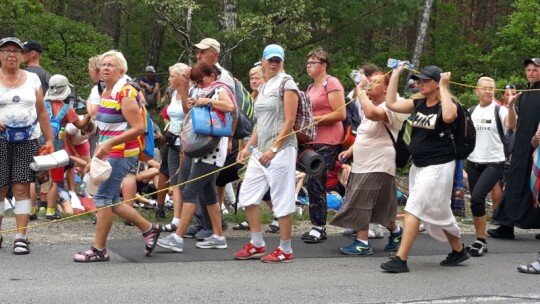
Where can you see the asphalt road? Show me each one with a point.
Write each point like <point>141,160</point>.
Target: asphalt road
<point>319,274</point>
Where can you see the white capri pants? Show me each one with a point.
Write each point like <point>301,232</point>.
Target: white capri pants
<point>279,176</point>
<point>430,192</point>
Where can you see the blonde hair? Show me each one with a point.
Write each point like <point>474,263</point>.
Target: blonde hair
<point>120,59</point>
<point>178,68</point>
<point>256,70</point>
<point>94,62</point>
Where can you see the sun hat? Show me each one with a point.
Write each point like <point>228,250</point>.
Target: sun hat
<point>59,88</point>
<point>100,171</point>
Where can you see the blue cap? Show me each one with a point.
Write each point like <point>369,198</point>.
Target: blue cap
<point>273,50</point>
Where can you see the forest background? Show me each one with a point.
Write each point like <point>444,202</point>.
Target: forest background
<point>470,38</point>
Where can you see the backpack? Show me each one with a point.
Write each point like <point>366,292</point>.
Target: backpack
<point>401,143</point>
<point>56,123</point>
<point>244,102</point>
<point>351,122</point>
<point>462,133</point>
<point>304,123</point>
<point>146,140</point>
<point>506,139</point>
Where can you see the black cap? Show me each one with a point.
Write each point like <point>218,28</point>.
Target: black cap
<point>535,61</point>
<point>11,40</point>
<point>430,72</point>
<point>32,45</point>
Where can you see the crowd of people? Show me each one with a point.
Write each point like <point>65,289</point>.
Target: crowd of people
<point>104,145</point>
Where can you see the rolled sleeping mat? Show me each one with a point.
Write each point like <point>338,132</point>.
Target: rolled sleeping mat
<point>50,161</point>
<point>310,162</point>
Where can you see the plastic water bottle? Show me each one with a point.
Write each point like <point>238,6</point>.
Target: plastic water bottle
<point>356,76</point>
<point>62,133</point>
<point>394,63</point>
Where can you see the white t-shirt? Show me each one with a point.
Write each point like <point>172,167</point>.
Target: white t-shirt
<point>94,98</point>
<point>373,149</point>
<point>488,148</point>
<point>18,105</point>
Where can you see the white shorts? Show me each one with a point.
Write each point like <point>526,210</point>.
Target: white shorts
<point>279,177</point>
<point>430,192</point>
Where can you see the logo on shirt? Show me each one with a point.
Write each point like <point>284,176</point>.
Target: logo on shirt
<point>423,121</point>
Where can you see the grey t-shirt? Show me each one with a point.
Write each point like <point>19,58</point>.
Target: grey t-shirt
<point>43,75</point>
<point>269,111</point>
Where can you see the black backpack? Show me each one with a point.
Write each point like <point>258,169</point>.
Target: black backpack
<point>244,102</point>
<point>352,119</point>
<point>403,155</point>
<point>463,132</point>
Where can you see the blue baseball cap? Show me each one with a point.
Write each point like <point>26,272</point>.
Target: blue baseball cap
<point>273,50</point>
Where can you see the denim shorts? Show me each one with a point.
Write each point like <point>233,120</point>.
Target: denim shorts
<point>108,193</point>
<point>63,194</point>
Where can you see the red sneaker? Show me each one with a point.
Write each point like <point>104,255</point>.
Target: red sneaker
<point>250,251</point>
<point>278,256</point>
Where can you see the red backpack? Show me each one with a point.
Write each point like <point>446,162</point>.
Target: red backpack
<point>304,123</point>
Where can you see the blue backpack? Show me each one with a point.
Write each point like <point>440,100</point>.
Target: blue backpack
<point>56,123</point>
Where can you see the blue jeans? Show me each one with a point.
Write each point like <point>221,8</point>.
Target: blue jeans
<point>109,192</point>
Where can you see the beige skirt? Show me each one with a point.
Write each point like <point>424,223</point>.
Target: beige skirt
<point>370,198</point>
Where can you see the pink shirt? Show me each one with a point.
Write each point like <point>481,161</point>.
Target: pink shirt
<point>326,134</point>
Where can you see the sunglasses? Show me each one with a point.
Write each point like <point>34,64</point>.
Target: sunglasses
<point>509,87</point>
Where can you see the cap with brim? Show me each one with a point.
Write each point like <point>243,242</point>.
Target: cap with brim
<point>207,43</point>
<point>100,171</point>
<point>273,50</point>
<point>32,45</point>
<point>150,69</point>
<point>429,73</point>
<point>535,61</point>
<point>12,40</point>
<point>59,88</point>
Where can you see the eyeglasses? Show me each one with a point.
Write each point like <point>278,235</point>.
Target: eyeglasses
<point>313,62</point>
<point>108,65</point>
<point>198,82</point>
<point>10,52</point>
<point>509,87</point>
<point>274,60</point>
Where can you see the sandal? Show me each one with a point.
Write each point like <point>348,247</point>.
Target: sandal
<point>312,239</point>
<point>92,255</point>
<point>150,238</point>
<point>20,246</point>
<point>530,268</point>
<point>241,226</point>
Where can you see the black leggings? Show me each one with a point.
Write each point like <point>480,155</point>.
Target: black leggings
<point>482,178</point>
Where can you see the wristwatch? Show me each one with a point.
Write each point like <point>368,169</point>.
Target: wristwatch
<point>274,150</point>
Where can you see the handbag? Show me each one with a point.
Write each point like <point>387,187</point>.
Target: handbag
<point>170,139</point>
<point>207,121</point>
<point>18,132</point>
<point>194,144</point>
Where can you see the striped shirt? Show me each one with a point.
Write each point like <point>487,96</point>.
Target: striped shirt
<point>112,123</point>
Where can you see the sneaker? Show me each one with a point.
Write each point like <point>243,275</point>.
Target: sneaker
<point>170,242</point>
<point>250,251</point>
<point>191,231</point>
<point>224,209</point>
<point>150,239</point>
<point>33,216</point>
<point>168,204</point>
<point>160,213</point>
<point>375,231</point>
<point>278,256</point>
<point>357,248</point>
<point>348,231</point>
<point>203,234</point>
<point>395,265</point>
<point>455,257</point>
<point>503,232</point>
<point>52,217</point>
<point>212,242</point>
<point>168,228</point>
<point>478,248</point>
<point>394,240</point>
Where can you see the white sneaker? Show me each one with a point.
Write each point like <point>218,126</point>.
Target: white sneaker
<point>224,209</point>
<point>376,231</point>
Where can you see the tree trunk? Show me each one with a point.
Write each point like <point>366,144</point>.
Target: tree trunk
<point>229,17</point>
<point>154,43</point>
<point>111,20</point>
<point>422,31</point>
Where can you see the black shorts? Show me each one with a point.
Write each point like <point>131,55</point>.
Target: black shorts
<point>164,168</point>
<point>15,159</point>
<point>230,174</point>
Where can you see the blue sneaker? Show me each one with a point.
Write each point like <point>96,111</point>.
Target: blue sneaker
<point>394,240</point>
<point>357,248</point>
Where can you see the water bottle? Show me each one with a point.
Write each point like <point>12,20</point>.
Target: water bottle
<point>356,76</point>
<point>394,63</point>
<point>62,134</point>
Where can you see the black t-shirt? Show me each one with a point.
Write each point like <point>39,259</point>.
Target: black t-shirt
<point>43,75</point>
<point>430,143</point>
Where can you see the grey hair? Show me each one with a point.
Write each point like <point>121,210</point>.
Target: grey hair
<point>120,59</point>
